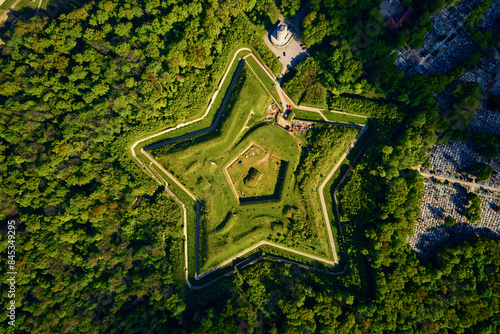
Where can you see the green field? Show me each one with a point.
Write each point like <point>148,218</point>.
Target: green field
<point>208,164</point>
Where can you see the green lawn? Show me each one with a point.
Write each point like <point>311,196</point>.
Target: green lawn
<point>254,172</point>
<point>226,227</point>
<point>336,117</point>
<point>7,4</point>
<point>307,115</point>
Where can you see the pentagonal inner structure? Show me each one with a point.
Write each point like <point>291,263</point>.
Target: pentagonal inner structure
<point>255,173</point>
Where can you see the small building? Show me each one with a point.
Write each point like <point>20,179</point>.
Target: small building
<point>281,36</point>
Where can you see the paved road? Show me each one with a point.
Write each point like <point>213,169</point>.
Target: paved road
<point>285,100</point>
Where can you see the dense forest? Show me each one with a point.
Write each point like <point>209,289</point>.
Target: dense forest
<point>99,247</point>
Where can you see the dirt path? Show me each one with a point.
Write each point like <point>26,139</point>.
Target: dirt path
<point>264,159</point>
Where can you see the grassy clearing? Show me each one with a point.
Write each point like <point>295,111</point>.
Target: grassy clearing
<point>226,227</point>
<point>333,146</point>
<point>333,117</point>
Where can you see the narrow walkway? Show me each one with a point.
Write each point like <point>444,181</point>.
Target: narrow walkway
<point>322,188</point>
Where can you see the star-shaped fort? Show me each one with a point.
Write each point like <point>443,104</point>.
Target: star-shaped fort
<point>256,181</point>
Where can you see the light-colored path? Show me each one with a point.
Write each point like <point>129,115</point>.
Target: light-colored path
<point>5,16</point>
<point>157,176</point>
<point>322,195</point>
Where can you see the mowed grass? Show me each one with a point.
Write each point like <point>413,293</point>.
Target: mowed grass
<point>7,4</point>
<point>226,227</point>
<point>20,5</point>
<point>254,173</point>
<point>336,117</point>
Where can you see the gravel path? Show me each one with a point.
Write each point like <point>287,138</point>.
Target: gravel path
<point>464,183</point>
